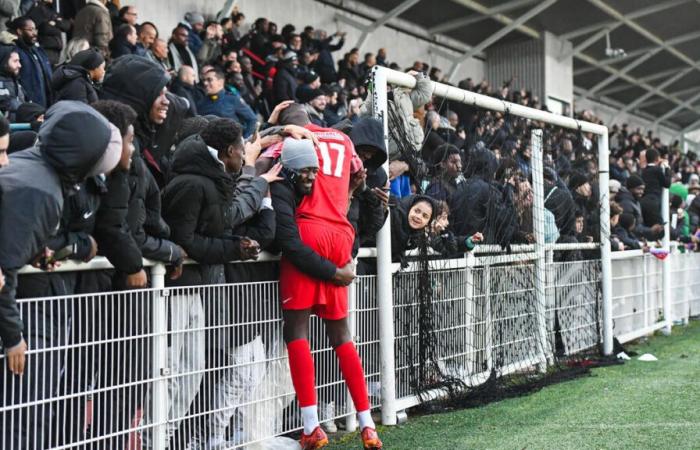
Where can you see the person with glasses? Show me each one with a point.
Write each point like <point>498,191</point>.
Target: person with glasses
<point>35,73</point>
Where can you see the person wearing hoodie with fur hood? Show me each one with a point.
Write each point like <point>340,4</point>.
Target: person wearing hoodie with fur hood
<point>72,146</point>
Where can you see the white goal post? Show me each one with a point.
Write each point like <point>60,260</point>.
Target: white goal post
<point>381,79</point>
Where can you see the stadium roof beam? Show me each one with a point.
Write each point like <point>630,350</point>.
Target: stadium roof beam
<point>692,127</point>
<point>589,41</point>
<point>657,100</point>
<point>371,28</point>
<point>464,21</point>
<point>646,79</point>
<point>499,34</point>
<point>624,70</point>
<point>639,52</point>
<point>632,15</point>
<point>644,32</point>
<point>672,112</point>
<point>369,13</point>
<point>651,89</point>
<point>505,20</point>
<point>614,103</point>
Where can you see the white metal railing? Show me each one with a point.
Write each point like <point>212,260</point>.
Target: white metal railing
<point>152,368</point>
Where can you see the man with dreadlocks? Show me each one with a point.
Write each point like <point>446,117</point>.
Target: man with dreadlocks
<point>316,240</point>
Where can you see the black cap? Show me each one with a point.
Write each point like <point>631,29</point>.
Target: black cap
<point>88,59</point>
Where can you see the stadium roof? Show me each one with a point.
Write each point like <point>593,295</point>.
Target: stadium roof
<point>657,78</point>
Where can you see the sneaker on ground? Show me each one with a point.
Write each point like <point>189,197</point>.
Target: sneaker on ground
<point>317,439</point>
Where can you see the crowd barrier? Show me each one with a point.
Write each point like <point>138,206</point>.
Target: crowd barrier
<point>152,368</point>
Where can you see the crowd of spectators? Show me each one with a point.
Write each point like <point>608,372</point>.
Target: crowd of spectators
<point>186,116</point>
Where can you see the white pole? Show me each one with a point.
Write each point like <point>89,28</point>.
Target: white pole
<point>384,274</point>
<point>605,252</point>
<point>666,265</point>
<point>159,358</point>
<point>540,263</point>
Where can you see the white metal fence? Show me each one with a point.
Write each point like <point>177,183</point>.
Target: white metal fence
<point>163,367</point>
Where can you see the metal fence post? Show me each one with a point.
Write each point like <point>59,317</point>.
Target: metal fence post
<point>540,266</point>
<point>605,251</point>
<point>159,358</point>
<point>666,264</point>
<point>384,274</point>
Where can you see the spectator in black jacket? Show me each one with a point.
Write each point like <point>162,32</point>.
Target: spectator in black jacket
<point>447,161</point>
<point>73,145</point>
<point>197,206</point>
<point>285,83</point>
<point>124,42</point>
<point>370,202</point>
<point>12,94</point>
<point>656,176</point>
<point>76,79</point>
<point>50,25</point>
<point>411,218</point>
<point>629,198</point>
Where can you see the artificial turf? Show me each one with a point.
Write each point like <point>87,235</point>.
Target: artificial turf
<point>638,405</point>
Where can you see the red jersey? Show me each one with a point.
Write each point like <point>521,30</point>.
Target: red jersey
<point>337,160</point>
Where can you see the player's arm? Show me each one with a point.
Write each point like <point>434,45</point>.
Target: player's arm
<point>288,240</point>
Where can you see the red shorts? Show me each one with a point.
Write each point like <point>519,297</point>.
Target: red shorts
<point>301,291</point>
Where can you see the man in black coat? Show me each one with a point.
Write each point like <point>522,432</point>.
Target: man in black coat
<point>198,207</point>
<point>369,204</point>
<point>141,84</point>
<point>72,145</point>
<point>628,197</point>
<point>285,84</point>
<point>12,94</point>
<point>657,177</point>
<point>75,80</point>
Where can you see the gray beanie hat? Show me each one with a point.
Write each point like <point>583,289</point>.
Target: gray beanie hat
<point>298,154</point>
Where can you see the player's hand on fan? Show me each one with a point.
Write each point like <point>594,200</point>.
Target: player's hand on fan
<point>357,179</point>
<point>477,237</point>
<point>250,249</point>
<point>344,275</point>
<point>252,150</point>
<point>297,132</point>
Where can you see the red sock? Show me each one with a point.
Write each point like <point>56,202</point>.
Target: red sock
<point>301,366</point>
<point>351,367</point>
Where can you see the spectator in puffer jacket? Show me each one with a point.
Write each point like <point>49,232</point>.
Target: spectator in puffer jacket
<point>73,144</point>
<point>12,93</point>
<point>94,24</point>
<point>76,80</point>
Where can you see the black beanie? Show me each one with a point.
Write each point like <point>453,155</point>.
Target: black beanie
<point>88,59</point>
<point>576,180</point>
<point>634,181</point>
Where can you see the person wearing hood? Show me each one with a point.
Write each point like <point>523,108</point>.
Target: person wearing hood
<point>139,83</point>
<point>35,73</point>
<point>629,198</point>
<point>369,204</point>
<point>72,145</point>
<point>197,205</point>
<point>194,22</point>
<point>447,160</point>
<point>285,83</point>
<point>410,220</point>
<point>12,93</point>
<point>94,24</point>
<point>219,102</point>
<point>124,41</point>
<point>76,80</point>
<point>481,205</point>
<point>179,53</point>
<point>582,193</point>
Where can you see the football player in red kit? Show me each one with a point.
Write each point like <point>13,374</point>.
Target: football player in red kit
<point>316,266</point>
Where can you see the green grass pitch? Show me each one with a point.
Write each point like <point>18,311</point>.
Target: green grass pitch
<point>638,405</point>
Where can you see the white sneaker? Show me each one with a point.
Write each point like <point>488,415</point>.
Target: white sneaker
<point>329,426</point>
